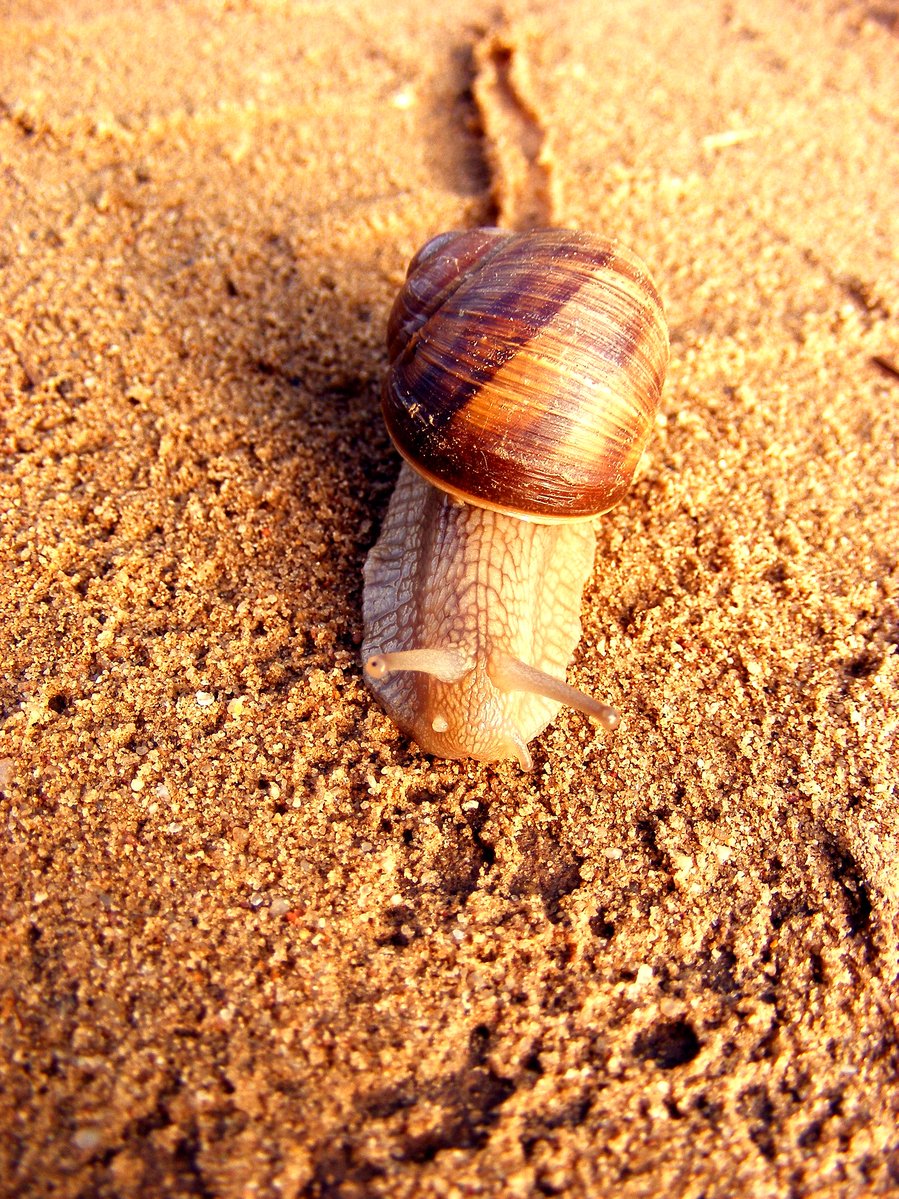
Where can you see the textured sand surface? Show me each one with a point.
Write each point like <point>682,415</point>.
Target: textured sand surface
<point>253,943</point>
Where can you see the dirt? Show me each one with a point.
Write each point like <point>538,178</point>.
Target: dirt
<point>253,942</point>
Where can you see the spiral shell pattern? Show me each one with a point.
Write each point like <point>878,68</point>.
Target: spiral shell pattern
<point>526,369</point>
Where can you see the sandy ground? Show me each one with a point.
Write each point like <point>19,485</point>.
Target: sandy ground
<point>253,943</point>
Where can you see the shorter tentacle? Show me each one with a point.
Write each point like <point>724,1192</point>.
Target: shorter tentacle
<point>447,665</point>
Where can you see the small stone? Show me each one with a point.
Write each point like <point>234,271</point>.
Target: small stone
<point>644,975</point>
<point>88,1139</point>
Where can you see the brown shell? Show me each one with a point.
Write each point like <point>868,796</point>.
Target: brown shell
<point>526,369</point>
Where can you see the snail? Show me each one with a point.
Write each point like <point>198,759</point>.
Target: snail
<point>525,373</point>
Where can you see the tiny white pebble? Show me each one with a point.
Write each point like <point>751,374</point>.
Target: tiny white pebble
<point>205,699</point>
<point>612,853</point>
<point>137,784</point>
<point>88,1139</point>
<point>279,906</point>
<point>470,805</point>
<point>162,791</point>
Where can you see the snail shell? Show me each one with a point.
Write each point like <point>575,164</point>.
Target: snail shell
<point>525,373</point>
<point>526,369</point>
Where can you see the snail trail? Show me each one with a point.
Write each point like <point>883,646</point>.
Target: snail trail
<point>516,142</point>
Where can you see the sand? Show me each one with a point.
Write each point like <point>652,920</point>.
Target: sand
<point>253,942</point>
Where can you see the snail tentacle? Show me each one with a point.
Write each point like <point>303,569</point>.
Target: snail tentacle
<point>517,747</point>
<point>511,674</point>
<point>447,665</point>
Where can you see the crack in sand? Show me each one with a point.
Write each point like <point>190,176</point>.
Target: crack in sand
<point>517,149</point>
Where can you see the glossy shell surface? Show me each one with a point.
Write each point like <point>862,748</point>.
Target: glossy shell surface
<point>526,369</point>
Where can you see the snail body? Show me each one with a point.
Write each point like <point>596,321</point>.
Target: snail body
<point>525,373</point>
